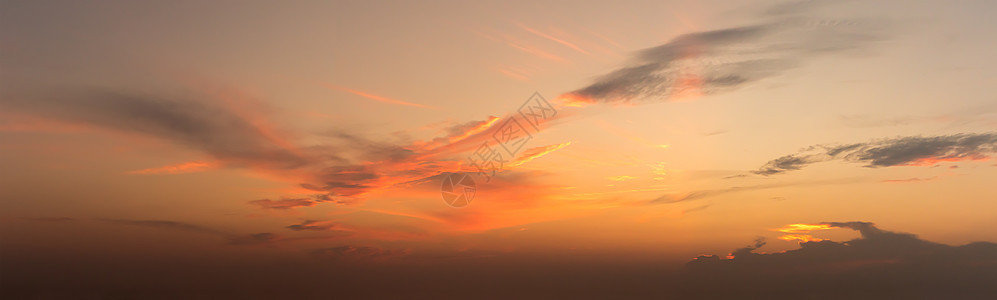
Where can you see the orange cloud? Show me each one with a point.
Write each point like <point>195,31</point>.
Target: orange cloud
<point>930,161</point>
<point>552,38</point>
<point>536,52</point>
<point>374,97</point>
<point>515,74</point>
<point>805,238</point>
<point>536,152</point>
<point>802,228</point>
<point>909,180</point>
<point>620,178</point>
<point>574,100</point>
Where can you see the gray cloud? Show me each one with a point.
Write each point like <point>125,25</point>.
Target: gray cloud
<point>914,150</point>
<point>289,203</point>
<point>191,122</point>
<point>721,60</point>
<point>340,170</point>
<point>314,225</point>
<point>879,265</point>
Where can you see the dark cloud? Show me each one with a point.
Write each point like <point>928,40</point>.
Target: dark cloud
<point>289,203</point>
<point>235,132</point>
<point>721,60</point>
<point>904,151</point>
<point>196,123</point>
<point>879,265</point>
<point>314,225</point>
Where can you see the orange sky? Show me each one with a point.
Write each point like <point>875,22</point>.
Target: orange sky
<point>659,131</point>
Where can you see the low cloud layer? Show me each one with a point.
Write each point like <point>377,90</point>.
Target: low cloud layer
<point>904,151</point>
<point>880,264</point>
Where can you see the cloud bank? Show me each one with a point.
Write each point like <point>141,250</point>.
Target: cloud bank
<point>880,264</point>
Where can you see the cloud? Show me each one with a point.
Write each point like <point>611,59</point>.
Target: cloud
<point>314,225</point>
<point>171,225</point>
<point>375,97</point>
<point>357,253</point>
<point>52,219</point>
<point>234,133</point>
<point>289,203</point>
<point>187,167</point>
<point>554,39</point>
<point>233,238</point>
<point>716,61</point>
<point>345,167</point>
<point>913,179</point>
<point>536,152</point>
<point>880,264</point>
<point>696,195</point>
<point>254,239</point>
<point>196,123</point>
<point>904,151</point>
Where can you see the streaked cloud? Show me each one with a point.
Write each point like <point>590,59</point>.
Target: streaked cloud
<point>201,122</point>
<point>722,60</point>
<point>552,38</point>
<point>536,152</point>
<point>374,97</point>
<point>187,167</point>
<point>903,151</point>
<point>164,224</point>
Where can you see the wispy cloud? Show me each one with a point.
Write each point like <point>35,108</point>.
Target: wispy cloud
<point>165,224</point>
<point>914,179</point>
<point>374,97</point>
<point>552,38</point>
<point>536,152</point>
<point>903,151</point>
<point>716,61</point>
<point>187,167</point>
<point>232,238</point>
<point>210,125</point>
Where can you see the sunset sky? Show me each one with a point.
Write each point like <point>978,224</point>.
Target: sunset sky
<point>197,147</point>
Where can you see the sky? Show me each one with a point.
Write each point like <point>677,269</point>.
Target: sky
<point>309,149</point>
